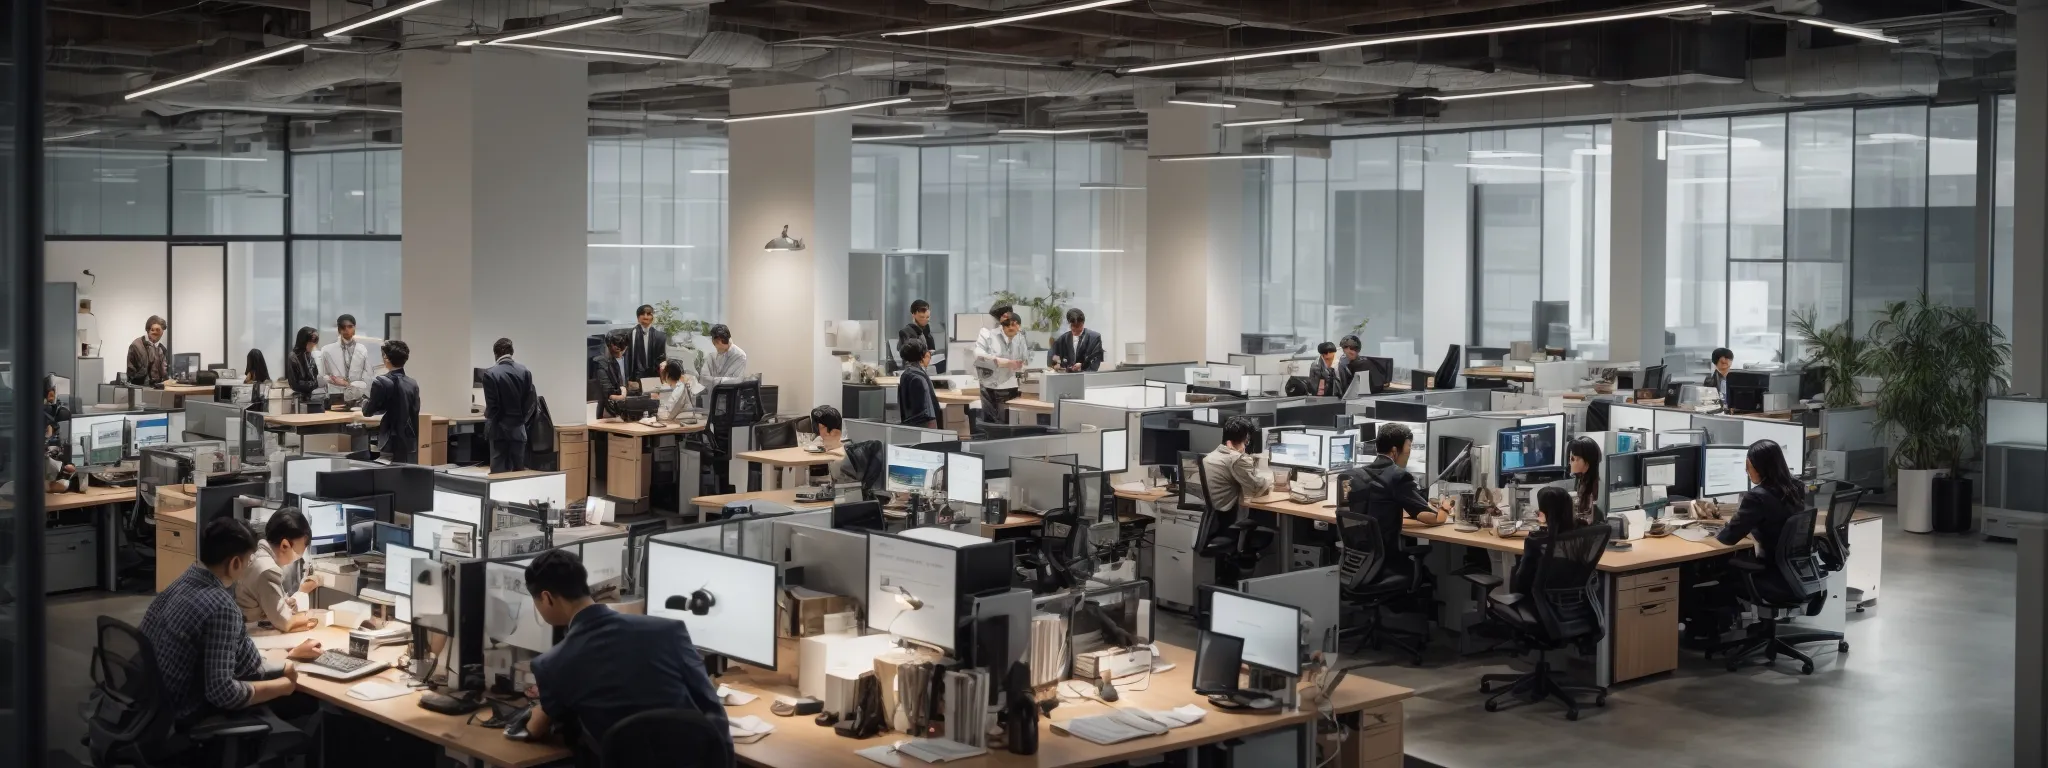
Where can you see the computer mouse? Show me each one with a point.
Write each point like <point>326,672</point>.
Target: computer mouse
<point>1105,689</point>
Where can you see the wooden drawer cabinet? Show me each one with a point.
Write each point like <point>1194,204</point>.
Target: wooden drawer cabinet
<point>1645,638</point>
<point>177,540</point>
<point>1634,580</point>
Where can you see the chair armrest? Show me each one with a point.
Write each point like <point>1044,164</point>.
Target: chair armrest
<point>1417,550</point>
<point>1486,580</point>
<point>227,725</point>
<point>1510,598</point>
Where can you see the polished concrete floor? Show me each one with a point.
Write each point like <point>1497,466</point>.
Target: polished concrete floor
<point>1928,682</point>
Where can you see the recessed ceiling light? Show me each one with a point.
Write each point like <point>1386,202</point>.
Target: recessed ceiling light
<point>999,20</point>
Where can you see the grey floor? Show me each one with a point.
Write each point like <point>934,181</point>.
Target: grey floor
<point>1928,682</point>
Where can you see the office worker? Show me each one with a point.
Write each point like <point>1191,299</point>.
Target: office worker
<point>728,363</point>
<point>1350,346</point>
<point>1717,379</point>
<point>1079,349</point>
<point>675,396</point>
<point>998,356</point>
<point>396,397</point>
<point>1585,465</point>
<point>262,591</point>
<point>204,657</point>
<point>1384,491</point>
<point>509,403</point>
<point>148,362</point>
<point>920,328</point>
<point>648,348</point>
<point>610,382</point>
<point>59,475</point>
<point>1554,509</point>
<point>1774,496</point>
<point>345,362</point>
<point>1323,377</point>
<point>1234,474</point>
<point>916,398</point>
<point>301,367</point>
<point>832,434</point>
<point>610,665</point>
<point>256,374</point>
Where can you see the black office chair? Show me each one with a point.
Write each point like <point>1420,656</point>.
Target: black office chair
<point>1061,546</point>
<point>1834,546</point>
<point>1794,579</point>
<point>1374,580</point>
<point>129,722</point>
<point>666,738</point>
<point>1234,544</point>
<point>773,435</point>
<point>1562,609</point>
<point>869,461</point>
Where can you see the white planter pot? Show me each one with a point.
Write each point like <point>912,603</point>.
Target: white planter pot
<point>1916,499</point>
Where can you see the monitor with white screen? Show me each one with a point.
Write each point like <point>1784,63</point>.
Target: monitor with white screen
<point>453,538</point>
<point>1726,470</point>
<point>1271,631</point>
<point>913,471</point>
<point>604,561</point>
<point>1116,450</point>
<point>509,615</point>
<point>301,476</point>
<point>151,430</point>
<point>1789,435</point>
<point>460,507</point>
<point>1621,416</point>
<point>328,520</point>
<point>739,623</point>
<point>398,568</point>
<point>964,478</point>
<point>552,487</point>
<point>1660,472</point>
<point>911,589</point>
<point>1297,450</point>
<point>1343,450</point>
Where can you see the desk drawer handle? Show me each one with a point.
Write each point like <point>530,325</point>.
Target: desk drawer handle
<point>1659,588</point>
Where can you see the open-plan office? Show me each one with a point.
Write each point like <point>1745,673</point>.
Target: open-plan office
<point>1025,383</point>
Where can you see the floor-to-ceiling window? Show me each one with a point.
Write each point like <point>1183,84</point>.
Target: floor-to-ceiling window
<point>345,252</point>
<point>2002,165</point>
<point>657,227</point>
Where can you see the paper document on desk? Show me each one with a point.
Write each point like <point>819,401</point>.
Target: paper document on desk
<point>1113,728</point>
<point>749,729</point>
<point>280,642</point>
<point>377,691</point>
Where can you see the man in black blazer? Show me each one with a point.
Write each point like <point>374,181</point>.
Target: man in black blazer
<point>609,382</point>
<point>1079,349</point>
<point>647,347</point>
<point>396,398</point>
<point>509,402</point>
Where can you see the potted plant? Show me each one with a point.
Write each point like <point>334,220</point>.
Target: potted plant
<point>1938,364</point>
<point>1836,350</point>
<point>682,334</point>
<point>1041,315</point>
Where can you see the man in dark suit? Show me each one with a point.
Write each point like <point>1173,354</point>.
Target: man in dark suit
<point>647,348</point>
<point>396,397</point>
<point>920,328</point>
<point>1079,349</point>
<point>1323,377</point>
<point>509,402</point>
<point>610,382</point>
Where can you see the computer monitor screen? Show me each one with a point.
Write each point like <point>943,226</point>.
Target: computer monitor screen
<point>1660,472</point>
<point>913,471</point>
<point>345,483</point>
<point>739,620</point>
<point>1725,471</point>
<point>509,615</point>
<point>1297,450</point>
<point>604,562</point>
<point>398,560</point>
<point>1116,450</point>
<point>1271,631</point>
<point>184,363</point>
<point>388,534</point>
<point>360,526</point>
<point>964,478</point>
<point>1161,446</point>
<point>1343,451</point>
<point>448,537</point>
<point>912,589</point>
<point>1217,658</point>
<point>1521,449</point>
<point>327,519</point>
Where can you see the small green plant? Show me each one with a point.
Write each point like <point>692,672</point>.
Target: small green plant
<point>1039,313</point>
<point>1836,349</point>
<point>680,331</point>
<point>1359,329</point>
<point>1938,363</point>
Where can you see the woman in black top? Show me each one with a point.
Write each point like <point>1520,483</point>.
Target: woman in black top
<point>1554,508</point>
<point>1774,495</point>
<point>300,372</point>
<point>1585,463</point>
<point>256,373</point>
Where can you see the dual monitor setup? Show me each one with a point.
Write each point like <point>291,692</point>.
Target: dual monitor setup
<point>105,440</point>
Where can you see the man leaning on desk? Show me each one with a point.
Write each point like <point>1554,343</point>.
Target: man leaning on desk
<point>1384,491</point>
<point>609,665</point>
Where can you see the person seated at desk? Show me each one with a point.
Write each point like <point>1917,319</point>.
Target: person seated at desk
<point>1384,491</point>
<point>346,361</point>
<point>728,363</point>
<point>1079,349</point>
<point>260,592</point>
<point>915,396</point>
<point>1351,347</point>
<point>609,385</point>
<point>1774,495</point>
<point>1234,475</point>
<point>676,400</point>
<point>1324,379</point>
<point>203,652</point>
<point>509,404</point>
<point>148,363</point>
<point>1585,465</point>
<point>301,368</point>
<point>1554,509</point>
<point>396,398</point>
<point>609,665</point>
<point>59,475</point>
<point>1717,379</point>
<point>832,434</point>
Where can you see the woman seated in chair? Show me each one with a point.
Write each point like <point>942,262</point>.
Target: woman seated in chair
<point>1773,496</point>
<point>1554,509</point>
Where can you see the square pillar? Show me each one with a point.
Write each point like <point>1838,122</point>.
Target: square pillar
<point>1194,240</point>
<point>1636,235</point>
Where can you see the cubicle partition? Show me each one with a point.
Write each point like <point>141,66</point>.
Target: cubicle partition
<point>1479,430</point>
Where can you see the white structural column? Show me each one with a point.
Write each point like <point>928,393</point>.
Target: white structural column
<point>1446,245</point>
<point>1636,237</point>
<point>495,221</point>
<point>2030,204</point>
<point>1124,215</point>
<point>795,171</point>
<point>1195,248</point>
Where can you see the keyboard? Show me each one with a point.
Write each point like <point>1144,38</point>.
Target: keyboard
<point>341,666</point>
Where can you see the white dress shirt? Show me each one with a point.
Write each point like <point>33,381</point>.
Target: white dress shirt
<point>674,401</point>
<point>352,361</point>
<point>725,367</point>
<point>992,345</point>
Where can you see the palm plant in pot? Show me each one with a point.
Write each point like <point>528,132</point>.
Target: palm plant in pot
<point>1938,363</point>
<point>1836,350</point>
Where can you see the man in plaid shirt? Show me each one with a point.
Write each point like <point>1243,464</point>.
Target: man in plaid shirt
<point>203,650</point>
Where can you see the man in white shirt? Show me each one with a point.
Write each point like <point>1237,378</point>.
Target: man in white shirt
<point>676,400</point>
<point>346,361</point>
<point>728,364</point>
<point>998,355</point>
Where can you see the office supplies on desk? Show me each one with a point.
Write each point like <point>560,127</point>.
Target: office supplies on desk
<point>336,665</point>
<point>749,729</point>
<point>376,691</point>
<point>1113,728</point>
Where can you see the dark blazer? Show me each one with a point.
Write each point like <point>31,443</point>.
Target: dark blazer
<point>1386,493</point>
<point>1324,381</point>
<point>509,400</point>
<point>914,331</point>
<point>915,397</point>
<point>302,373</point>
<point>606,383</point>
<point>148,364</point>
<point>1089,355</point>
<point>1762,512</point>
<point>396,397</point>
<point>657,353</point>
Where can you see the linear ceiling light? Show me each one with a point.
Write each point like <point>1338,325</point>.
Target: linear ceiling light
<point>990,22</point>
<point>1219,156</point>
<point>1088,250</point>
<point>593,50</point>
<point>1264,121</point>
<point>1069,131</point>
<point>546,29</point>
<point>1362,42</point>
<point>391,11</point>
<point>1109,185</point>
<point>1491,94</point>
<point>902,137</point>
<point>718,171</point>
<point>638,245</point>
<point>1852,31</point>
<point>809,111</point>
<point>202,75</point>
<point>72,135</point>
<point>1195,103</point>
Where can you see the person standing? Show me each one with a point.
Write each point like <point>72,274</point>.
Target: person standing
<point>609,385</point>
<point>915,396</point>
<point>1323,377</point>
<point>998,357</point>
<point>301,367</point>
<point>256,374</point>
<point>509,403</point>
<point>396,398</point>
<point>345,362</point>
<point>148,362</point>
<point>649,348</point>
<point>1079,349</point>
<point>728,364</point>
<point>920,328</point>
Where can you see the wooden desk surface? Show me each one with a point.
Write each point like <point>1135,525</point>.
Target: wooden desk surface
<point>796,743</point>
<point>1030,404</point>
<point>785,496</point>
<point>92,496</point>
<point>1278,503</point>
<point>1149,494</point>
<point>1644,553</point>
<point>791,457</point>
<point>637,429</point>
<point>958,397</point>
<point>1501,373</point>
<point>186,390</point>
<point>404,713</point>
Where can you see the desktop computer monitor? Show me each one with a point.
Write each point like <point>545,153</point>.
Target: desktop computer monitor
<point>1217,658</point>
<point>345,484</point>
<point>858,516</point>
<point>1298,450</point>
<point>1161,446</point>
<point>453,538</point>
<point>1653,378</point>
<point>1526,449</point>
<point>398,567</point>
<point>964,479</point>
<point>509,615</point>
<point>728,601</point>
<point>1379,372</point>
<point>1724,470</point>
<point>98,441</point>
<point>328,520</point>
<point>361,527</point>
<point>1448,448</point>
<point>910,470</point>
<point>150,430</point>
<point>1447,371</point>
<point>1116,450</point>
<point>388,534</point>
<point>184,363</point>
<point>1342,451</point>
<point>1271,630</point>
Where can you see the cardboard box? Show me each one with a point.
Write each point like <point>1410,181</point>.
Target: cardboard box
<point>801,612</point>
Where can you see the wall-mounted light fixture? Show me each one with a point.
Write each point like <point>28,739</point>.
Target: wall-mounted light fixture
<point>784,242</point>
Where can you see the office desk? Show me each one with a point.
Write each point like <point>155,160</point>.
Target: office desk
<point>1501,373</point>
<point>105,504</point>
<point>785,497</point>
<point>487,746</point>
<point>629,450</point>
<point>796,743</point>
<point>784,458</point>
<point>179,392</point>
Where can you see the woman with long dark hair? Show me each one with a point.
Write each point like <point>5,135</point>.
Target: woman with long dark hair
<point>1774,496</point>
<point>300,372</point>
<point>1554,508</point>
<point>256,373</point>
<point>1585,463</point>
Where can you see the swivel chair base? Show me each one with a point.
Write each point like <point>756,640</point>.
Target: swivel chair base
<point>1539,684</point>
<point>1765,640</point>
<point>1374,633</point>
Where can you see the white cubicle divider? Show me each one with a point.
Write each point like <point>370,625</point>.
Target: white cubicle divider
<point>1625,416</point>
<point>552,487</point>
<point>859,430</point>
<point>1314,591</point>
<point>1559,375</point>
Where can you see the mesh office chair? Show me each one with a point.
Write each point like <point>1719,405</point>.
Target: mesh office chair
<point>666,738</point>
<point>1834,544</point>
<point>870,462</point>
<point>1793,579</point>
<point>1235,545</point>
<point>1562,608</point>
<point>129,722</point>
<point>773,435</point>
<point>1371,579</point>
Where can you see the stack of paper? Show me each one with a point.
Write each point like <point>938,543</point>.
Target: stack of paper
<point>1048,649</point>
<point>938,750</point>
<point>749,729</point>
<point>967,707</point>
<point>1115,727</point>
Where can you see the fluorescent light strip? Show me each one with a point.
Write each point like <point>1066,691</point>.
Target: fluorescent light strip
<point>719,171</point>
<point>1491,94</point>
<point>633,245</point>
<point>1054,11</point>
<point>1267,121</point>
<point>1109,185</point>
<point>76,135</point>
<point>1209,104</point>
<point>820,110</point>
<point>594,51</point>
<point>547,30</point>
<point>1088,250</point>
<point>236,64</point>
<point>1868,35</point>
<point>1188,158</point>
<point>904,137</point>
<point>1409,38</point>
<point>1069,131</point>
<point>371,18</point>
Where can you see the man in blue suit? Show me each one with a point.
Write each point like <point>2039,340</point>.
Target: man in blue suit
<point>509,403</point>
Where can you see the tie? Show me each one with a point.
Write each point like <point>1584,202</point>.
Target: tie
<point>622,372</point>
<point>640,362</point>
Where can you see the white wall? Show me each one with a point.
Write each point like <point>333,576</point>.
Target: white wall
<point>131,286</point>
<point>199,303</point>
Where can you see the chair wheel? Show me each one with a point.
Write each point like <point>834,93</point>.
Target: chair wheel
<point>1806,668</point>
<point>1600,701</point>
<point>1844,647</point>
<point>1571,715</point>
<point>1492,707</point>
